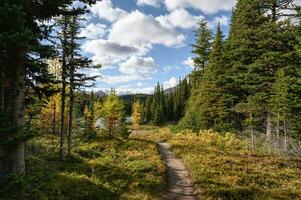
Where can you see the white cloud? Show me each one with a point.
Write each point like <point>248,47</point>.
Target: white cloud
<point>223,20</point>
<point>94,31</point>
<point>110,53</point>
<point>179,18</point>
<point>189,62</point>
<point>142,67</point>
<point>134,69</point>
<point>138,29</point>
<point>154,3</point>
<point>115,79</point>
<point>206,6</point>
<point>172,82</point>
<point>141,84</point>
<point>104,9</point>
<point>124,91</point>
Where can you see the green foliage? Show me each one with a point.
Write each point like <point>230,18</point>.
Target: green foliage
<point>202,46</point>
<point>102,169</point>
<point>207,107</point>
<point>167,106</point>
<point>236,88</point>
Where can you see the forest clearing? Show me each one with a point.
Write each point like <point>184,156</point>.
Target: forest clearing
<point>150,99</point>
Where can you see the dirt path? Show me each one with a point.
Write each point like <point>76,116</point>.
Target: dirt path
<point>180,186</point>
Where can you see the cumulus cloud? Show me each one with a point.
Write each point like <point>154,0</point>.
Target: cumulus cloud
<point>179,18</point>
<point>134,69</point>
<point>109,53</point>
<point>189,62</point>
<point>138,29</point>
<point>206,6</point>
<point>172,82</point>
<point>94,31</point>
<point>123,78</point>
<point>143,67</point>
<point>104,9</point>
<point>223,20</point>
<point>154,3</point>
<point>145,90</point>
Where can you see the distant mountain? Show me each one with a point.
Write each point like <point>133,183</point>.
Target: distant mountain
<point>170,90</point>
<point>100,93</point>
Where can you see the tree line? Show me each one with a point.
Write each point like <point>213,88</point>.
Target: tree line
<point>250,81</point>
<point>164,106</point>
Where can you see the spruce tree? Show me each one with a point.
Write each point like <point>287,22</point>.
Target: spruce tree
<point>202,46</point>
<point>148,110</point>
<point>23,56</point>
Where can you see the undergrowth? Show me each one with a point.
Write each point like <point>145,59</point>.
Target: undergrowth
<point>100,169</point>
<point>225,167</point>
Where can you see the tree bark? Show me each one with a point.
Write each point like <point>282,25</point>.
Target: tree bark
<point>269,128</point>
<point>63,105</point>
<point>71,105</point>
<point>14,151</point>
<point>252,130</point>
<point>285,135</point>
<point>63,93</point>
<point>54,118</point>
<point>277,129</point>
<point>2,78</point>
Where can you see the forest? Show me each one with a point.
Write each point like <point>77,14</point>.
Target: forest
<point>230,129</point>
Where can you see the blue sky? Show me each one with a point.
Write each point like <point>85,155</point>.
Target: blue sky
<point>141,42</point>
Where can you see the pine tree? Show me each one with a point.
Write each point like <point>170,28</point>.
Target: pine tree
<point>210,99</point>
<point>276,8</point>
<point>202,46</point>
<point>148,110</point>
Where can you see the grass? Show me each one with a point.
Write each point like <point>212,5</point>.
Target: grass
<point>223,167</point>
<point>99,169</point>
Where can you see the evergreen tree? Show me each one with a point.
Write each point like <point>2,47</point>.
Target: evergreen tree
<point>158,106</point>
<point>210,98</point>
<point>202,46</point>
<point>148,110</point>
<point>23,56</point>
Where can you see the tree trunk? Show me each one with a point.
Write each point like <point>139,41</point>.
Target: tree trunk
<point>252,130</point>
<point>285,135</point>
<point>274,11</point>
<point>277,129</point>
<point>63,93</point>
<point>269,128</point>
<point>2,78</point>
<point>63,104</point>
<point>54,119</point>
<point>71,105</point>
<point>110,128</point>
<point>13,152</point>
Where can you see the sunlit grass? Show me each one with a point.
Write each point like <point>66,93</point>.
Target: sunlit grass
<point>99,169</point>
<point>224,166</point>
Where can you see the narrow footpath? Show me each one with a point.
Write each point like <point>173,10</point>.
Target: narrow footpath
<point>180,186</point>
